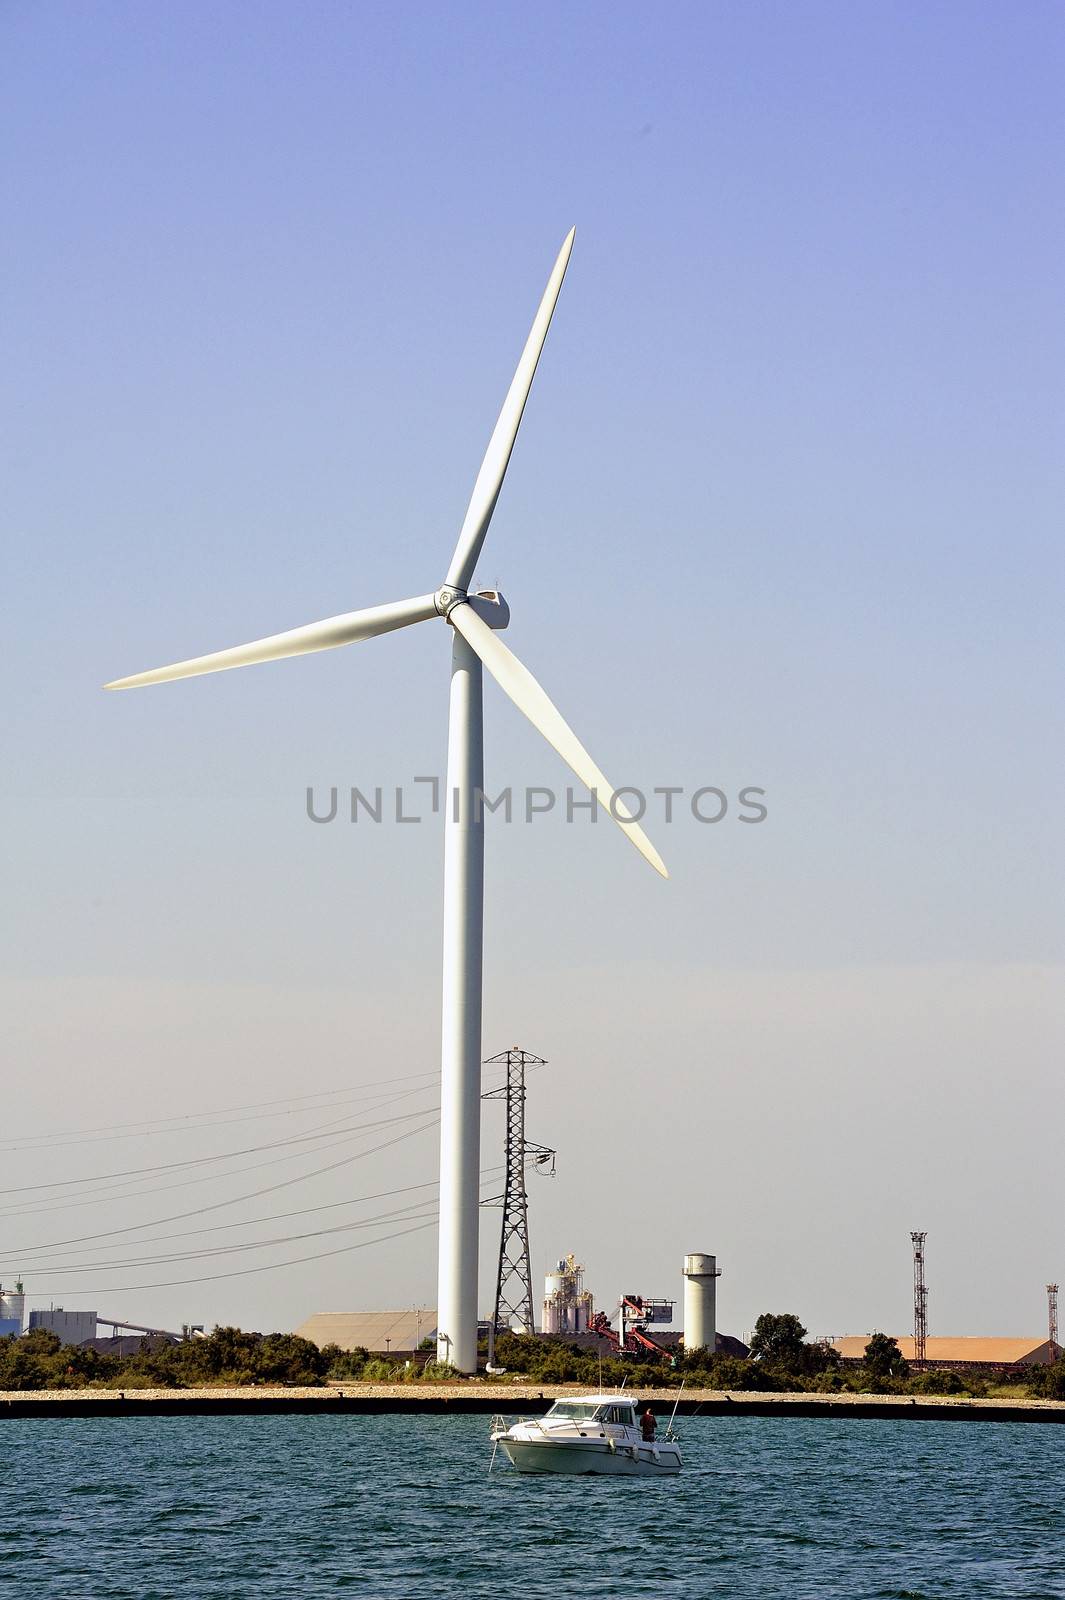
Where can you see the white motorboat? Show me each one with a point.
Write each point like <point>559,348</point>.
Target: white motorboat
<point>589,1433</point>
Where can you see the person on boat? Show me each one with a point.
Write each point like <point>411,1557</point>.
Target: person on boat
<point>648,1425</point>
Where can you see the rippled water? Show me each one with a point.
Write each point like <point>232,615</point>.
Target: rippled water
<point>206,1508</point>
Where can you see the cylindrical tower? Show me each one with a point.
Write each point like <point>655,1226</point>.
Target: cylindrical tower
<point>567,1303</point>
<point>13,1307</point>
<point>700,1302</point>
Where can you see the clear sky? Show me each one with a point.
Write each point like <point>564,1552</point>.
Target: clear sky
<point>785,511</point>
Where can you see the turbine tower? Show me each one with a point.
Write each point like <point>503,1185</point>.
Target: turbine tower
<point>475,619</point>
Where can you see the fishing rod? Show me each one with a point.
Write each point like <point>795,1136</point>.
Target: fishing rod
<point>676,1403</point>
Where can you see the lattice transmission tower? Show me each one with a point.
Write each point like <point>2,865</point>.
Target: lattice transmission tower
<point>920,1300</point>
<point>1052,1313</point>
<point>514,1297</point>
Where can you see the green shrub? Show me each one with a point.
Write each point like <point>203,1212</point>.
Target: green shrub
<point>1047,1383</point>
<point>938,1381</point>
<point>828,1383</point>
<point>432,1372</point>
<point>345,1363</point>
<point>286,1358</point>
<point>380,1371</point>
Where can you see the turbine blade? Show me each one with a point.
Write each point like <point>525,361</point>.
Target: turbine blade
<point>494,466</point>
<point>518,682</point>
<point>326,635</point>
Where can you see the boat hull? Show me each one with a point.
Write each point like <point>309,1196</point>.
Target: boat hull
<point>588,1456</point>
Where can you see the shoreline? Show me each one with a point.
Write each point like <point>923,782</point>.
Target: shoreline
<point>478,1399</point>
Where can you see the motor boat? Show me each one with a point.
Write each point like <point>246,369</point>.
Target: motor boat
<point>586,1433</point>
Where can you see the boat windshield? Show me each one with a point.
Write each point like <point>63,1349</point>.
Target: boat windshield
<point>576,1410</point>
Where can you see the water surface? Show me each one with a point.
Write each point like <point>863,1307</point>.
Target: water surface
<point>208,1508</point>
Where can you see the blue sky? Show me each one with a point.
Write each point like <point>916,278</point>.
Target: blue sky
<point>784,511</point>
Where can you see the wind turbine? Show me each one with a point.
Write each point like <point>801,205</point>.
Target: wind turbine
<point>475,619</point>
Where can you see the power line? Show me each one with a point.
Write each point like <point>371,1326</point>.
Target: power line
<point>255,1194</point>
<point>124,1190</point>
<point>323,1131</point>
<point>249,1222</point>
<point>64,1269</point>
<point>244,1272</point>
<point>187,1125</point>
<point>251,1105</point>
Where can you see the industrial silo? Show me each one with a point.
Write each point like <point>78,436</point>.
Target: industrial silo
<point>700,1302</point>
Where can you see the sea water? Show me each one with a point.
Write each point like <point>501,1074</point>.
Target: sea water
<point>299,1507</point>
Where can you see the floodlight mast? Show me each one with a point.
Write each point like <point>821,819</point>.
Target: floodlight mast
<point>476,620</point>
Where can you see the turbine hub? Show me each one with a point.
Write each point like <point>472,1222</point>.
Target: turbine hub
<point>489,605</point>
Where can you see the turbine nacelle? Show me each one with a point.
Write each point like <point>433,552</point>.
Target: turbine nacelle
<point>489,604</point>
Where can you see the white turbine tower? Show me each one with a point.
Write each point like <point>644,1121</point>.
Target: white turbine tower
<point>475,620</point>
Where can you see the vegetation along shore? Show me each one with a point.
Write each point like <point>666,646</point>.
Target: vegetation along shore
<point>230,1369</point>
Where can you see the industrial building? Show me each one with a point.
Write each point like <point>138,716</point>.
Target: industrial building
<point>992,1355</point>
<point>80,1327</point>
<point>381,1332</point>
<point>72,1327</point>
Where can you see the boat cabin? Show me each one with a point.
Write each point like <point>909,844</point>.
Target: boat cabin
<point>608,1411</point>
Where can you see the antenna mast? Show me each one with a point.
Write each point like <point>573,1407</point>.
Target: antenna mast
<point>1052,1309</point>
<point>920,1301</point>
<point>514,1300</point>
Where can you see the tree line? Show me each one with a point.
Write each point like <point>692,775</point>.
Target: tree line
<point>226,1357</point>
<point>781,1358</point>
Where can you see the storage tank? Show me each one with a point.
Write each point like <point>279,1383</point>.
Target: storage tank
<point>700,1302</point>
<point>555,1282</point>
<point>567,1304</point>
<point>12,1310</point>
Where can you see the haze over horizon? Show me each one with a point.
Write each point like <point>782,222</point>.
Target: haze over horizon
<point>784,512</point>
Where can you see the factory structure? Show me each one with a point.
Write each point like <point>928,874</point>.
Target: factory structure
<point>568,1305</point>
<point>78,1327</point>
<point>641,1326</point>
<point>644,1322</point>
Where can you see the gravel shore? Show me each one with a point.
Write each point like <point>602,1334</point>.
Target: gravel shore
<point>507,1398</point>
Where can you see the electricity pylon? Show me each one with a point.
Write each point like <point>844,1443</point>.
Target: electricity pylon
<point>514,1298</point>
